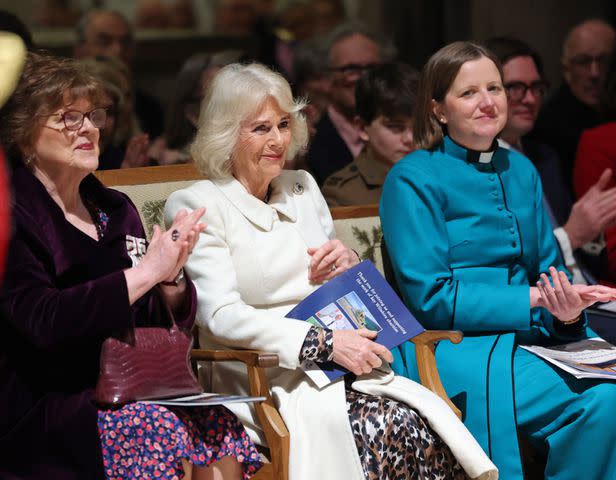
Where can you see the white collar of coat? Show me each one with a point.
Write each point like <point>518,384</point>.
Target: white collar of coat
<point>254,209</point>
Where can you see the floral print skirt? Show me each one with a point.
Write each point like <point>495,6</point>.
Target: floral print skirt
<point>149,441</point>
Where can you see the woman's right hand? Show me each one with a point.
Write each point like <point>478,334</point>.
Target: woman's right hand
<point>165,256</point>
<point>356,351</point>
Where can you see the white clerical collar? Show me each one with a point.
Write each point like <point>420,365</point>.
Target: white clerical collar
<point>485,157</point>
<point>451,147</point>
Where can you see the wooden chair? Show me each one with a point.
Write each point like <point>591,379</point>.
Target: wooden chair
<point>359,227</point>
<point>146,185</point>
<point>272,424</point>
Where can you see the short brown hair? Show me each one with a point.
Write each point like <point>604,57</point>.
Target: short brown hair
<point>435,80</point>
<point>389,89</point>
<point>46,84</point>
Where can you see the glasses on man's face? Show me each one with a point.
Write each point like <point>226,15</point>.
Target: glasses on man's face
<point>517,90</point>
<point>73,119</point>
<point>585,61</point>
<point>352,69</point>
<point>105,40</point>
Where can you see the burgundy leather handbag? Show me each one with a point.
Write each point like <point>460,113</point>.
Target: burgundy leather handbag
<point>146,363</point>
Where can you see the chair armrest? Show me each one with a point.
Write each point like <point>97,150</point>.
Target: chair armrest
<point>426,361</point>
<point>252,358</point>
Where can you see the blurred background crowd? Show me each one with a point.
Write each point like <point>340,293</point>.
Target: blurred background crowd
<point>156,58</point>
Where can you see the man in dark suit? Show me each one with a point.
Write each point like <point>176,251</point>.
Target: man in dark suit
<point>577,225</point>
<point>574,107</point>
<point>351,51</point>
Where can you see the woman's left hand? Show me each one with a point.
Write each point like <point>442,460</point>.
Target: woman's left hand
<point>596,293</point>
<point>565,301</point>
<point>330,259</point>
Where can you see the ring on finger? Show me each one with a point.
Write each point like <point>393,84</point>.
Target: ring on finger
<point>333,268</point>
<point>175,234</point>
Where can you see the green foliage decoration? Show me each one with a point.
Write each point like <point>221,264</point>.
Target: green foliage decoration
<point>369,240</point>
<point>153,215</point>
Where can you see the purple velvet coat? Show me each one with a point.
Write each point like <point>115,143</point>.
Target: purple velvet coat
<point>63,294</point>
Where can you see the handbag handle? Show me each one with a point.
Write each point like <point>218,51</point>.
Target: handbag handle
<point>161,316</point>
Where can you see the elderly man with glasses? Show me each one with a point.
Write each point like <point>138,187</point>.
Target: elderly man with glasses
<point>587,51</point>
<point>352,50</point>
<point>106,33</point>
<point>577,226</point>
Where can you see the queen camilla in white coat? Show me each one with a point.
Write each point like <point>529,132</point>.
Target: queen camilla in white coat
<point>270,242</point>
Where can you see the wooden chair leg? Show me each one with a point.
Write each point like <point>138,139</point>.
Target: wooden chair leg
<point>275,430</point>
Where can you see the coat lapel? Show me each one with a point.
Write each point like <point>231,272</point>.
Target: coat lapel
<point>282,197</point>
<point>255,210</point>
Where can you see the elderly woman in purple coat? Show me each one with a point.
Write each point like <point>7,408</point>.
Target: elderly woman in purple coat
<point>78,269</point>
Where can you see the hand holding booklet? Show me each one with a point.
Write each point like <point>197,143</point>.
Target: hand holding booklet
<point>357,298</point>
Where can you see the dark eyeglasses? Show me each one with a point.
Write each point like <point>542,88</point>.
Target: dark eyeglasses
<point>585,61</point>
<point>517,90</point>
<point>353,68</point>
<point>73,119</point>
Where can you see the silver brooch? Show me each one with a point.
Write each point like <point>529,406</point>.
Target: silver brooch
<point>298,188</point>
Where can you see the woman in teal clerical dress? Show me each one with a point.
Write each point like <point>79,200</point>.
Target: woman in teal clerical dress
<point>468,237</point>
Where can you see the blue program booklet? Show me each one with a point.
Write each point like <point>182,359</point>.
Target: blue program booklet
<point>357,298</point>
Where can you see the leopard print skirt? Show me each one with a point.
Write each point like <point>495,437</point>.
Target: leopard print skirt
<point>393,441</point>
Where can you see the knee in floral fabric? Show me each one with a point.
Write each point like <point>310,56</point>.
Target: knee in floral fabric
<point>149,441</point>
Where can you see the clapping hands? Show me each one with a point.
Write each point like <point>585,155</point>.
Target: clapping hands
<point>566,301</point>
<point>168,251</point>
<point>136,151</point>
<point>593,212</point>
